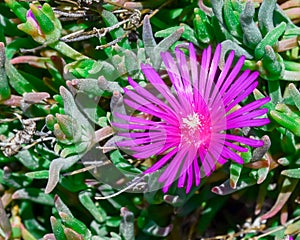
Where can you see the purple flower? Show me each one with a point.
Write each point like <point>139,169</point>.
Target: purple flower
<point>190,121</point>
<point>32,20</point>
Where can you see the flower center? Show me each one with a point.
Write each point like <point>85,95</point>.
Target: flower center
<point>196,130</point>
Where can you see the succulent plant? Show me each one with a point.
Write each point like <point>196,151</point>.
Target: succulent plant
<point>73,87</point>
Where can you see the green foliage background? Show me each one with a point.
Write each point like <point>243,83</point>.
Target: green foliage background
<point>44,191</point>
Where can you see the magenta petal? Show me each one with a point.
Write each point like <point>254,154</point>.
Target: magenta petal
<point>194,65</point>
<point>247,141</point>
<point>232,155</point>
<point>249,107</point>
<point>184,71</point>
<point>225,70</point>
<point>157,82</point>
<point>172,169</point>
<point>241,97</point>
<point>249,123</point>
<point>132,126</point>
<point>212,73</point>
<point>196,172</point>
<point>236,147</point>
<point>173,71</point>
<point>147,95</point>
<point>162,161</point>
<point>204,163</point>
<point>182,178</point>
<point>189,179</point>
<point>234,72</point>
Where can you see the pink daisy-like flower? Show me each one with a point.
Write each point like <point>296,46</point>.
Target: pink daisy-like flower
<point>190,121</point>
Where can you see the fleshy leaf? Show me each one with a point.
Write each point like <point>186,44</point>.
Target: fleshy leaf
<point>4,222</point>
<point>42,174</point>
<point>56,166</point>
<point>292,173</point>
<point>295,94</point>
<point>61,206</point>
<point>4,87</point>
<point>235,172</point>
<point>127,224</point>
<point>153,229</point>
<point>287,120</point>
<point>265,16</point>
<point>58,229</point>
<point>72,235</point>
<point>270,39</point>
<point>231,20</point>
<point>252,35</point>
<point>97,211</point>
<point>225,188</point>
<point>35,195</point>
<point>287,189</point>
<point>17,81</point>
<point>75,225</point>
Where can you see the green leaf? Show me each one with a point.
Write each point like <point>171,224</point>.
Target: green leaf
<point>225,188</point>
<point>188,33</point>
<point>293,173</point>
<point>70,127</point>
<point>71,109</point>
<point>202,27</point>
<point>4,222</point>
<point>270,39</point>
<point>113,221</point>
<point>26,235</point>
<point>81,68</point>
<point>57,228</point>
<point>16,44</point>
<point>127,224</point>
<point>288,142</point>
<point>294,92</point>
<point>153,229</point>
<point>275,91</point>
<point>289,122</point>
<point>235,172</point>
<point>272,63</point>
<point>34,195</point>
<point>252,35</point>
<point>66,50</point>
<point>217,7</point>
<point>258,95</point>
<point>17,81</point>
<point>148,38</point>
<point>61,206</point>
<point>18,9</point>
<point>56,166</point>
<point>110,20</point>
<point>97,211</point>
<point>42,174</point>
<point>228,45</point>
<point>287,189</point>
<point>28,159</point>
<point>43,20</point>
<point>293,228</point>
<point>4,87</point>
<point>164,45</point>
<point>72,235</point>
<point>231,20</point>
<point>265,16</point>
<point>75,225</point>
